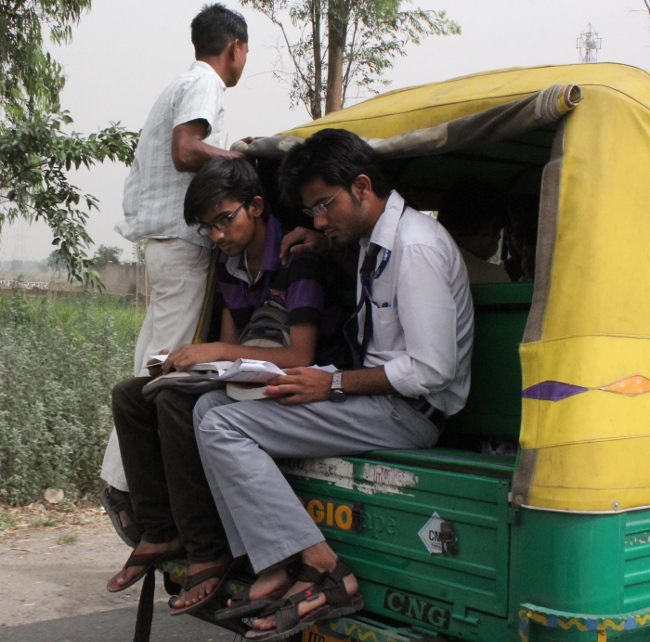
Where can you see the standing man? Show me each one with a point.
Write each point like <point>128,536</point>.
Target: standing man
<point>415,322</point>
<point>182,132</point>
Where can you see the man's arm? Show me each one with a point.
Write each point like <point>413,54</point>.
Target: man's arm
<point>189,152</point>
<point>300,351</point>
<point>302,240</point>
<point>306,385</point>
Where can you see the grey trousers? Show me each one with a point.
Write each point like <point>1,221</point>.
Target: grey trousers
<point>239,441</point>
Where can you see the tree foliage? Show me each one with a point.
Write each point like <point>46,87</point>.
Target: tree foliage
<point>336,46</point>
<point>105,254</point>
<point>36,147</point>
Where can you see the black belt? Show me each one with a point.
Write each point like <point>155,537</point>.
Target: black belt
<point>429,411</point>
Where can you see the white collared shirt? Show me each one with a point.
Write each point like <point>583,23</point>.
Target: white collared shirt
<point>154,190</point>
<point>424,325</point>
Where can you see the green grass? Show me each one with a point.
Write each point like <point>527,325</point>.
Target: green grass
<point>59,360</point>
<point>43,522</point>
<point>7,522</point>
<point>67,312</point>
<point>66,539</point>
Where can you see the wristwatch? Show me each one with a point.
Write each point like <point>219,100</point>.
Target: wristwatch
<point>336,390</point>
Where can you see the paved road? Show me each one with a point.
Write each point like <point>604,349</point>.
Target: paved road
<point>116,626</point>
<point>51,592</point>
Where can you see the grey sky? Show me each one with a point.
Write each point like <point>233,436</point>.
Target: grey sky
<point>124,52</point>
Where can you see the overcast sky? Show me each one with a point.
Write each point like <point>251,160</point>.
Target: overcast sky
<point>124,52</point>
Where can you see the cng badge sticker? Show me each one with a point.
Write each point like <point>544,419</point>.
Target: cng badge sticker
<point>438,536</point>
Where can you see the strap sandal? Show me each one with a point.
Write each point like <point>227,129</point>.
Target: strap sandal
<point>288,621</point>
<point>241,605</point>
<point>220,572</point>
<point>147,561</point>
<point>116,501</point>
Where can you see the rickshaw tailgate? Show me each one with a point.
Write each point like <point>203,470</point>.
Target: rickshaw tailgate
<point>426,532</point>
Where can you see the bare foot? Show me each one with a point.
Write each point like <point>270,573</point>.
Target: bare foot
<point>322,558</point>
<point>125,520</point>
<point>267,583</point>
<point>199,591</point>
<point>144,548</point>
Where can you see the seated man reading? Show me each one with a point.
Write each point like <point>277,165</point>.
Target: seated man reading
<point>415,323</point>
<point>171,499</point>
<point>473,215</point>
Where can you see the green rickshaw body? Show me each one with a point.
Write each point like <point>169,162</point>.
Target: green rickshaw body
<point>553,543</point>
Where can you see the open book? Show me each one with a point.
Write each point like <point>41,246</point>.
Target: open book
<point>250,370</point>
<point>244,379</point>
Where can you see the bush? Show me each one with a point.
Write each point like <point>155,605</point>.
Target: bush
<point>59,361</point>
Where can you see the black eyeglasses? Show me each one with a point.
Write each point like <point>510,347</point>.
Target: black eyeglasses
<point>205,229</point>
<point>321,208</point>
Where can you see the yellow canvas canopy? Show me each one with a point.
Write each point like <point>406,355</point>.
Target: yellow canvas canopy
<point>585,356</point>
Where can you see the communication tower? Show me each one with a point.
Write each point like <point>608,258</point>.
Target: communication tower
<point>588,44</point>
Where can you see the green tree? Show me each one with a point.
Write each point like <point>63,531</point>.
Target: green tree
<point>334,45</point>
<point>54,262</point>
<point>107,254</point>
<point>138,252</point>
<point>36,147</point>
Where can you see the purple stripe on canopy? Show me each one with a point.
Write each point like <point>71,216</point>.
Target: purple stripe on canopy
<point>552,391</point>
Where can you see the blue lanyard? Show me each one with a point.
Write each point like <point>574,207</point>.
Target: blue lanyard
<point>367,285</point>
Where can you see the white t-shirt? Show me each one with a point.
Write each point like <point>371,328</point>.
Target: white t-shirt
<point>154,190</point>
<point>422,312</point>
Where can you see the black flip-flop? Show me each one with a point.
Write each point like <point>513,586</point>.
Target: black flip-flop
<point>221,572</point>
<point>147,561</point>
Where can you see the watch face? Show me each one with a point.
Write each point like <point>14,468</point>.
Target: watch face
<point>337,395</point>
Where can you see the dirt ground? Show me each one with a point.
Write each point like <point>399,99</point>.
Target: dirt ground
<point>54,563</point>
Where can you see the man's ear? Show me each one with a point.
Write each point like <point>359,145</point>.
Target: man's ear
<point>362,186</point>
<point>256,206</point>
<point>233,49</point>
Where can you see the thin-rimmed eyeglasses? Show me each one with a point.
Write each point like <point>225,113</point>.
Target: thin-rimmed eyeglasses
<point>205,229</point>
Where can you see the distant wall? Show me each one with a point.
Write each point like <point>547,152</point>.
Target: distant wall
<point>125,280</point>
<point>122,279</point>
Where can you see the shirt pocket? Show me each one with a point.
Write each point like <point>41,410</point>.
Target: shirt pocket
<point>387,330</point>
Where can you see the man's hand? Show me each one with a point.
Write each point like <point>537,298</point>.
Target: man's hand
<point>190,354</point>
<point>300,385</point>
<point>155,367</point>
<point>303,240</point>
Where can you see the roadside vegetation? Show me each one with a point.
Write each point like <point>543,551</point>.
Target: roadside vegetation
<point>59,359</point>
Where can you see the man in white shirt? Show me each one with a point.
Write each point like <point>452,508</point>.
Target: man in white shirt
<point>182,132</point>
<point>415,322</point>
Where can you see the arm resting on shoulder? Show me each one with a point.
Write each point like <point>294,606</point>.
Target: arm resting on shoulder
<point>189,152</point>
<point>302,240</point>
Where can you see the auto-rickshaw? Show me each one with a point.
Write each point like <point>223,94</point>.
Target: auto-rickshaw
<point>552,541</point>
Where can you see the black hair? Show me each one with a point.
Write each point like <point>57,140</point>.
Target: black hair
<point>470,208</point>
<point>214,28</point>
<point>336,156</point>
<point>218,179</point>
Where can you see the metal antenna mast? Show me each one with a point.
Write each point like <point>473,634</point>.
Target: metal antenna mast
<point>588,44</point>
